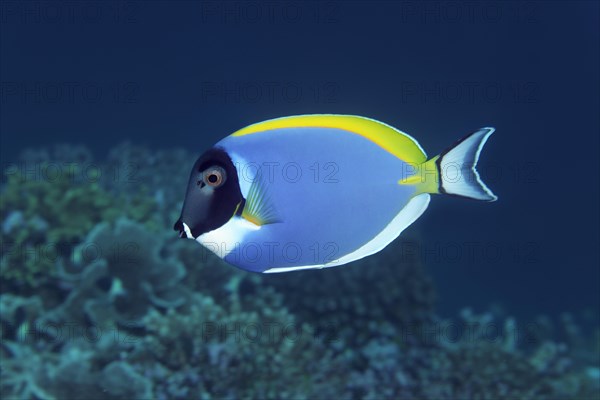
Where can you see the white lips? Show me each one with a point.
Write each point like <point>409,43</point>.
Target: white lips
<point>188,232</point>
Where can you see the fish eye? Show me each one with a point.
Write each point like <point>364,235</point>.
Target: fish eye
<point>215,176</point>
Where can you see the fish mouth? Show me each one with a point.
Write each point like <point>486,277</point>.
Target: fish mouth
<point>183,229</point>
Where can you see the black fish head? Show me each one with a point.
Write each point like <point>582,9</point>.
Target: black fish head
<point>212,197</point>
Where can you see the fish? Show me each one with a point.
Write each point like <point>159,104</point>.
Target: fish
<point>317,191</point>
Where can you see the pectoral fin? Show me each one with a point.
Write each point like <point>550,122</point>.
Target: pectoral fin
<point>258,207</point>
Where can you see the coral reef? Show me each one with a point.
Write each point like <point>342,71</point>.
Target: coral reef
<point>48,210</point>
<point>271,355</point>
<point>127,273</point>
<point>126,310</point>
<point>466,359</point>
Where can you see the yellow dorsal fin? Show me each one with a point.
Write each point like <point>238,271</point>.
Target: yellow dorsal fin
<point>388,138</point>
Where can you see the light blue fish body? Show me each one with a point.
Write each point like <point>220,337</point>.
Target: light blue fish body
<point>324,190</point>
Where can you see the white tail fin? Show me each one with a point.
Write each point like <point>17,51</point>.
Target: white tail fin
<point>456,165</point>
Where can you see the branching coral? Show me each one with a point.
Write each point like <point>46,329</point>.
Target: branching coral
<point>127,274</point>
<point>268,352</point>
<point>45,217</point>
<point>463,360</point>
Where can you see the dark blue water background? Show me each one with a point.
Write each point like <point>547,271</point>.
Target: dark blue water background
<point>172,74</point>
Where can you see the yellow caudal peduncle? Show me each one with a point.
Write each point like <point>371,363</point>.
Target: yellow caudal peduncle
<point>388,138</point>
<point>425,178</point>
